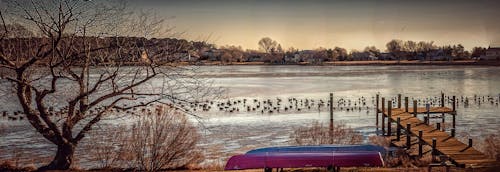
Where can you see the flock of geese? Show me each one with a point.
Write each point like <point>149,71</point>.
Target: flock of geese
<point>291,105</point>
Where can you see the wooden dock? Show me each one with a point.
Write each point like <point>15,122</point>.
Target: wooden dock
<point>420,137</point>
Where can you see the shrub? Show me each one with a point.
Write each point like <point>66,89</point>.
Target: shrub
<point>163,139</point>
<point>318,134</point>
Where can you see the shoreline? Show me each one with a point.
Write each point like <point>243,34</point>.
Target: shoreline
<point>330,63</point>
<point>362,63</point>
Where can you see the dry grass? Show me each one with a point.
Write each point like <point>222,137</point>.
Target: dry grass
<point>12,166</point>
<point>108,147</point>
<point>318,134</point>
<point>491,146</point>
<point>381,141</point>
<point>400,158</point>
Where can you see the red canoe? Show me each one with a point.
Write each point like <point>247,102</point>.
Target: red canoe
<point>304,159</point>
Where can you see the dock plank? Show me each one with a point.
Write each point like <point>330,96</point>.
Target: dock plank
<point>458,152</point>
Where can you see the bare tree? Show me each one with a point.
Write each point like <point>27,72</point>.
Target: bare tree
<point>339,54</point>
<point>231,54</point>
<point>395,47</point>
<point>410,46</point>
<point>268,45</point>
<point>61,85</point>
<point>478,51</point>
<point>372,50</point>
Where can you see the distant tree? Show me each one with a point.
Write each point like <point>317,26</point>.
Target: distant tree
<point>478,51</point>
<point>410,46</point>
<point>356,55</point>
<point>16,30</point>
<point>268,45</point>
<point>279,49</point>
<point>232,53</point>
<point>458,51</point>
<point>320,54</point>
<point>340,53</point>
<point>372,50</point>
<point>448,50</point>
<point>423,46</point>
<point>226,57</point>
<point>329,54</point>
<point>395,47</point>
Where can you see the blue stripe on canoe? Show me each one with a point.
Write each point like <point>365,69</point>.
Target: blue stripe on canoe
<point>319,148</point>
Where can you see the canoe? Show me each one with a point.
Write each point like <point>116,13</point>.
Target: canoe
<point>304,159</point>
<point>320,148</point>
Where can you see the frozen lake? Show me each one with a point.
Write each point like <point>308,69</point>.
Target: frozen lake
<point>228,133</point>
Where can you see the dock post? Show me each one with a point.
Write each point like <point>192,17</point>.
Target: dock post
<point>442,99</point>
<point>398,129</point>
<point>408,135</point>
<point>414,108</point>
<point>433,149</point>
<point>438,126</point>
<point>383,116</point>
<point>454,119</point>
<point>426,120</point>
<point>420,135</point>
<point>443,120</point>
<point>470,142</point>
<point>331,118</point>
<point>428,109</point>
<point>376,109</point>
<point>454,104</point>
<point>453,132</point>
<point>406,104</point>
<point>399,100</point>
<point>389,115</point>
<point>454,113</point>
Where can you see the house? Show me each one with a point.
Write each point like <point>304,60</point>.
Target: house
<point>492,53</point>
<point>212,54</point>
<point>305,55</point>
<point>363,56</point>
<point>439,55</point>
<point>291,58</point>
<point>254,56</point>
<point>386,56</point>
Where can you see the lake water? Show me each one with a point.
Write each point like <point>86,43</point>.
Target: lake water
<point>226,133</point>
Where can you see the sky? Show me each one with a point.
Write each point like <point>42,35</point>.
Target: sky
<point>309,24</point>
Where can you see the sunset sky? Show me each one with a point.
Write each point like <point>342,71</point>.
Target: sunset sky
<point>315,23</point>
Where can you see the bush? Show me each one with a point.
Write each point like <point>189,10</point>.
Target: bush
<point>319,134</point>
<point>163,139</point>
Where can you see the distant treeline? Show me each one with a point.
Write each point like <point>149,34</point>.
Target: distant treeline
<point>170,50</point>
<point>271,52</point>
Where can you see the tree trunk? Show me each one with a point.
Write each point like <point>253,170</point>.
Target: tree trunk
<point>63,158</point>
